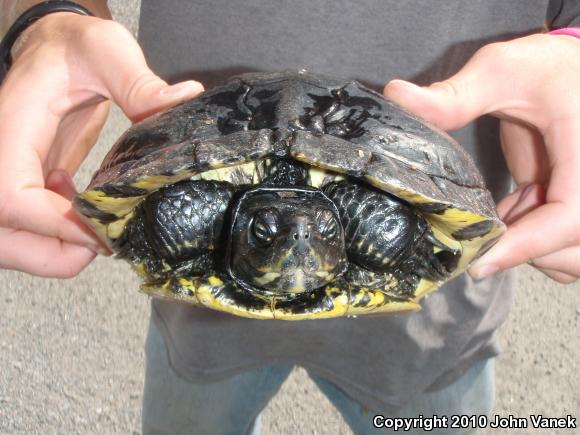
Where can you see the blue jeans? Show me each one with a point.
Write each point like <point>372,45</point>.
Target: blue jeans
<point>172,405</point>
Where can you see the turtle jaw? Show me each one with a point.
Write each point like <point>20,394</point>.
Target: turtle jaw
<point>288,277</point>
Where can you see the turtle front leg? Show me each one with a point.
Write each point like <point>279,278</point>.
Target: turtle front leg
<point>387,236</point>
<point>176,230</point>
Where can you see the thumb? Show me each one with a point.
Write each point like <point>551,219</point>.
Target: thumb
<point>61,182</point>
<point>445,104</point>
<point>475,90</point>
<point>148,94</point>
<point>125,77</point>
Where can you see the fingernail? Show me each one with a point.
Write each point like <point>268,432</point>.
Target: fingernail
<point>402,84</point>
<point>99,249</point>
<point>527,190</point>
<point>484,271</point>
<point>180,89</point>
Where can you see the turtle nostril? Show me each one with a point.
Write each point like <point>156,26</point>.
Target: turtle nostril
<point>300,235</point>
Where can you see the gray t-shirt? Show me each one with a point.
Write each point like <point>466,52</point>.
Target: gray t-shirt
<point>381,362</point>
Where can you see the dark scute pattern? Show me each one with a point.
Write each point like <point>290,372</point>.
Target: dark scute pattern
<point>319,105</point>
<point>334,152</point>
<point>396,285</point>
<point>337,114</point>
<point>432,207</point>
<point>472,231</point>
<point>232,295</point>
<point>88,209</point>
<point>122,191</point>
<point>309,302</point>
<point>297,110</point>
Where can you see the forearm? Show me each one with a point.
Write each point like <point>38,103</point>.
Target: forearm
<point>10,10</point>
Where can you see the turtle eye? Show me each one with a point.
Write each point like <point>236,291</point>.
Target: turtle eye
<point>326,223</point>
<point>265,226</point>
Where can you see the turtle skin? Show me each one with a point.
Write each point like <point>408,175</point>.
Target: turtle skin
<point>333,135</point>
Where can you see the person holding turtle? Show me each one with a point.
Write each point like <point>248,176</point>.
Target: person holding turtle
<point>209,372</point>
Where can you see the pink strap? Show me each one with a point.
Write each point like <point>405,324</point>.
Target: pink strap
<point>570,31</point>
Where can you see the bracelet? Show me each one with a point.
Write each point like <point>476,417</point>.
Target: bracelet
<point>570,31</point>
<point>25,20</point>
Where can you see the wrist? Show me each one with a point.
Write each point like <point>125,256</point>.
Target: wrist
<point>30,17</point>
<point>12,9</point>
<point>48,29</point>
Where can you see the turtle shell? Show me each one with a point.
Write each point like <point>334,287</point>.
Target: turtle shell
<point>340,129</point>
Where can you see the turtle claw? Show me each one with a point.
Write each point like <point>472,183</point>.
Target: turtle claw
<point>428,264</point>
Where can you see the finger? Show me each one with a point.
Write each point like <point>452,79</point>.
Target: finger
<point>525,153</point>
<point>562,278</point>
<point>44,212</point>
<point>41,255</point>
<point>77,133</point>
<point>128,80</point>
<point>520,202</point>
<point>563,139</point>
<point>553,226</point>
<point>540,232</point>
<point>566,261</point>
<point>61,182</point>
<point>25,138</point>
<point>448,105</point>
<point>486,84</point>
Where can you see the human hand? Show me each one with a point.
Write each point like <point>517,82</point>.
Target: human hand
<point>53,105</point>
<point>533,85</point>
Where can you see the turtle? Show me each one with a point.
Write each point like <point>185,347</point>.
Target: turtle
<point>291,195</point>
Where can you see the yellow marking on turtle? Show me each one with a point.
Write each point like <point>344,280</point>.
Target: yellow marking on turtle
<point>319,176</point>
<point>215,281</point>
<point>298,286</point>
<point>267,278</point>
<point>207,298</point>
<point>311,161</point>
<point>446,223</point>
<point>115,229</point>
<point>98,227</point>
<point>424,288</point>
<point>454,219</point>
<point>443,225</point>
<point>154,182</point>
<point>440,234</point>
<point>379,303</point>
<point>245,173</point>
<point>339,307</point>
<point>322,274</point>
<point>112,205</point>
<point>141,269</point>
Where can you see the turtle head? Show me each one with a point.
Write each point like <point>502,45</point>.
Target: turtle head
<point>286,240</point>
